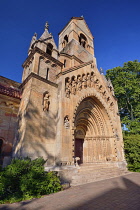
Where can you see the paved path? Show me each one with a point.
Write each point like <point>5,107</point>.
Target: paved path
<point>120,193</point>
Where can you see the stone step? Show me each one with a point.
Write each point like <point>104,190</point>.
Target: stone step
<point>82,177</point>
<point>95,168</point>
<point>96,173</point>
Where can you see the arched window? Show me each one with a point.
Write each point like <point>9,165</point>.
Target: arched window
<point>47,74</point>
<point>82,40</point>
<point>65,41</point>
<point>66,38</point>
<point>49,48</point>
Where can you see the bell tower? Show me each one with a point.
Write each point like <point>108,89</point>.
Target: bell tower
<point>76,42</point>
<point>42,56</point>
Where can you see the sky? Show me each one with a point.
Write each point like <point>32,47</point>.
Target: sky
<point>115,25</point>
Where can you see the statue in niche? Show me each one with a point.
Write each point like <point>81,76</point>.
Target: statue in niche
<point>88,80</point>
<point>66,122</point>
<point>84,82</point>
<point>68,88</point>
<point>73,86</point>
<point>79,83</point>
<point>46,102</point>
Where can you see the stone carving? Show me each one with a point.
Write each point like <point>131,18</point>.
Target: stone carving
<point>73,86</point>
<point>68,88</point>
<point>34,38</point>
<point>100,88</point>
<point>46,102</point>
<point>92,80</point>
<point>110,86</point>
<point>79,83</point>
<point>88,80</point>
<point>84,82</point>
<point>66,122</point>
<point>111,107</point>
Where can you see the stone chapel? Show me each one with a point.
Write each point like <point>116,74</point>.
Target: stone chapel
<point>67,112</point>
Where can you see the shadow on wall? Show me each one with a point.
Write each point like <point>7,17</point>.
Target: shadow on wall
<point>36,134</point>
<point>118,193</point>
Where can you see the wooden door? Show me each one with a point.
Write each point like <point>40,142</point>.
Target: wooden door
<point>79,149</point>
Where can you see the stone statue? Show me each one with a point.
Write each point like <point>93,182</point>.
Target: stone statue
<point>88,80</point>
<point>73,86</point>
<point>84,82</point>
<point>66,122</point>
<point>79,83</point>
<point>92,80</point>
<point>46,102</point>
<point>68,88</point>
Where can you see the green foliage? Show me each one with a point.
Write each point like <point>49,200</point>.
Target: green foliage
<point>26,179</point>
<point>132,151</point>
<point>126,82</point>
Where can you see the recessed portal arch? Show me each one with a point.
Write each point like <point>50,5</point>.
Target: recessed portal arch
<point>93,134</point>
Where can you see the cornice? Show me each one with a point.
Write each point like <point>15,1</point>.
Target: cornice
<point>42,53</point>
<point>75,68</point>
<point>33,75</point>
<point>71,57</point>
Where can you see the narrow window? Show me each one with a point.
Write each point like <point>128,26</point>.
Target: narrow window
<point>47,74</point>
<point>49,48</point>
<point>64,63</point>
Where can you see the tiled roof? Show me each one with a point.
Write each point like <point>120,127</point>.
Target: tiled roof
<point>9,91</point>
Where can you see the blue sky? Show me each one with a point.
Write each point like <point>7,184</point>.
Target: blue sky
<point>115,25</point>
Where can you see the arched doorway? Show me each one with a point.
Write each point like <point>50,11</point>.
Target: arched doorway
<point>79,140</point>
<point>93,134</point>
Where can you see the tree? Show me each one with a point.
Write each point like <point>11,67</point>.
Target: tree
<point>126,82</point>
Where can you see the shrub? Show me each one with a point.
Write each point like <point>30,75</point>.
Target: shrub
<point>132,151</point>
<point>26,179</point>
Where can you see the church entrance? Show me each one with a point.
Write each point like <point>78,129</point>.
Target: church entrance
<point>79,149</point>
<point>93,137</point>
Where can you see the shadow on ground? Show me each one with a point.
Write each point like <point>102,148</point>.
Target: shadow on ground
<point>117,193</point>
